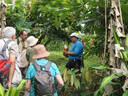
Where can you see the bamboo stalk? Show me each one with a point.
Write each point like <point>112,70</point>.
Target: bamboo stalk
<point>106,33</point>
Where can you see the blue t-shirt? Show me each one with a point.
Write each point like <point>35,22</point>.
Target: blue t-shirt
<point>32,71</point>
<point>77,48</point>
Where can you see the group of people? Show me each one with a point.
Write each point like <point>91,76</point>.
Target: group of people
<point>24,52</point>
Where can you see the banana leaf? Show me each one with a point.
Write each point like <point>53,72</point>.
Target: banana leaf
<point>21,85</point>
<point>10,92</point>
<point>105,81</point>
<point>1,90</point>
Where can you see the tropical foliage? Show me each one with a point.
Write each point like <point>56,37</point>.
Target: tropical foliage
<point>53,20</point>
<point>12,91</point>
<point>58,18</point>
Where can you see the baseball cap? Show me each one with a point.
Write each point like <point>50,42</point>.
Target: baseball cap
<point>75,35</point>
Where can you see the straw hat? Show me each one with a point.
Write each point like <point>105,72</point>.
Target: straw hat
<point>31,41</point>
<point>40,52</point>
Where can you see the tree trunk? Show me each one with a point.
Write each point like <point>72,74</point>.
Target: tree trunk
<point>115,25</point>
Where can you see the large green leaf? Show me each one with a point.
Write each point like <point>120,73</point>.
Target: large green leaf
<point>10,92</point>
<point>77,83</point>
<point>16,91</point>
<point>1,90</point>
<point>21,85</point>
<point>72,79</point>
<point>13,92</point>
<point>105,81</point>
<point>65,77</point>
<point>125,93</point>
<point>101,67</point>
<point>96,93</point>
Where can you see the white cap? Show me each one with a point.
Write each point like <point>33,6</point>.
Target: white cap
<point>75,35</point>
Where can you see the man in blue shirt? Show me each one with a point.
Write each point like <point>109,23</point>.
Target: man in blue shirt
<point>75,53</point>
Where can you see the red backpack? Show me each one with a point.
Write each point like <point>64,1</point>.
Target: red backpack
<point>5,64</point>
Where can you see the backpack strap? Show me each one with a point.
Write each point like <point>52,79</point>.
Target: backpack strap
<point>47,66</point>
<point>5,45</point>
<point>39,67</point>
<point>4,48</point>
<point>18,41</point>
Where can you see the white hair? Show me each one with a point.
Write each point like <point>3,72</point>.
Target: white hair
<point>8,32</point>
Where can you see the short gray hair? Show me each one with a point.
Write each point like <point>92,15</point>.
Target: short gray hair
<point>8,32</point>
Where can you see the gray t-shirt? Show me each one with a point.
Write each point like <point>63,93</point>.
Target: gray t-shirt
<point>12,49</point>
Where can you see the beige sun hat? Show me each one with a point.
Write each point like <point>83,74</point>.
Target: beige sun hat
<point>40,52</point>
<point>31,41</point>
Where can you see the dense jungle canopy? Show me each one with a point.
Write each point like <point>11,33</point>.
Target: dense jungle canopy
<point>52,19</point>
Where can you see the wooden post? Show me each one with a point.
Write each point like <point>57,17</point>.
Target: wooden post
<point>3,10</point>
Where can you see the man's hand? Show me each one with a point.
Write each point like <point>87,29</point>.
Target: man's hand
<point>8,84</point>
<point>28,85</point>
<point>65,53</point>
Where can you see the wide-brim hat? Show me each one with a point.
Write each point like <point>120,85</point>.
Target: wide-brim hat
<point>31,41</point>
<point>40,52</point>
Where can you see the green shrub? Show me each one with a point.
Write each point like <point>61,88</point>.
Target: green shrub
<point>12,91</point>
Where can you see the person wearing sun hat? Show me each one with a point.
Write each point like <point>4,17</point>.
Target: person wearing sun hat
<point>40,55</point>
<point>31,42</point>
<point>26,54</point>
<point>75,53</point>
